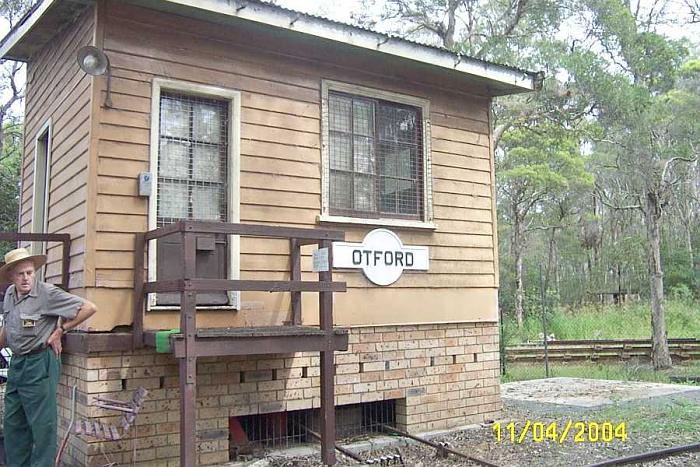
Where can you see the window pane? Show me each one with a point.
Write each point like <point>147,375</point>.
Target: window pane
<point>364,193</point>
<point>364,154</point>
<point>174,118</point>
<point>340,151</point>
<point>363,117</point>
<point>387,161</point>
<point>173,200</point>
<point>404,162</point>
<point>173,161</point>
<point>388,195</point>
<point>339,109</point>
<point>206,203</point>
<point>206,122</point>
<point>407,125</point>
<point>206,163</point>
<point>408,204</point>
<point>397,123</point>
<point>340,190</point>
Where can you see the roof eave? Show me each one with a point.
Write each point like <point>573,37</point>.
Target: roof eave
<point>506,79</point>
<point>26,24</point>
<point>502,79</point>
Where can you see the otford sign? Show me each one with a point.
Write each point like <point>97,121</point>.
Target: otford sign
<point>381,256</point>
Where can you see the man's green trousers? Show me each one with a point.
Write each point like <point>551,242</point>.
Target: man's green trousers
<point>30,410</point>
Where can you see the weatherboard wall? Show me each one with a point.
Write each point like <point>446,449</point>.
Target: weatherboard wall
<point>279,79</point>
<point>58,96</point>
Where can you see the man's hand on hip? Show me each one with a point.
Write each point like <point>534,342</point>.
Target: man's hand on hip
<point>55,341</point>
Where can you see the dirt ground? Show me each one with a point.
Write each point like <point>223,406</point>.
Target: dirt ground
<point>650,424</point>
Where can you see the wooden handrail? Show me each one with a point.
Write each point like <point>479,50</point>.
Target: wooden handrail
<point>215,285</point>
<point>297,238</point>
<point>305,236</point>
<point>189,285</point>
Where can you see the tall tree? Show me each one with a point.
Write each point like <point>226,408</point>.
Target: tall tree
<point>538,166</point>
<point>11,94</point>
<point>649,131</point>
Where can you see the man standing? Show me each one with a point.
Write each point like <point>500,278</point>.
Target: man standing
<point>31,311</point>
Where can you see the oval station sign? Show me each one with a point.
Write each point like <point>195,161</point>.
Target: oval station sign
<point>381,256</point>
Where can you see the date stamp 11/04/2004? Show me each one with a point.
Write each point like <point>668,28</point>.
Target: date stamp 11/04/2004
<point>558,432</point>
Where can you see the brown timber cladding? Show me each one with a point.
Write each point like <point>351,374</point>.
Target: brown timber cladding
<point>442,376</point>
<point>280,171</point>
<point>58,90</point>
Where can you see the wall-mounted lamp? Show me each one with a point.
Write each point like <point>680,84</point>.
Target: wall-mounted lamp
<point>94,62</point>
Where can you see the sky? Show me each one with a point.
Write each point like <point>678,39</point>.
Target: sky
<point>341,10</point>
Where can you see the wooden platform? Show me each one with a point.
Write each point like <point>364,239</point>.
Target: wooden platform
<point>211,342</point>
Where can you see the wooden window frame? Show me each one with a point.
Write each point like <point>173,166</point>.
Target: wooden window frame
<point>426,221</point>
<point>233,171</point>
<point>46,131</point>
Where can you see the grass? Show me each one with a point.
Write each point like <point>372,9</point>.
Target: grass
<point>678,417</point>
<point>621,372</point>
<point>630,321</point>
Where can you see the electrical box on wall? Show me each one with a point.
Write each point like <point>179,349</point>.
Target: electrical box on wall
<point>145,183</point>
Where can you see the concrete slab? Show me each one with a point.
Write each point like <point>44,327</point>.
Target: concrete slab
<point>589,393</point>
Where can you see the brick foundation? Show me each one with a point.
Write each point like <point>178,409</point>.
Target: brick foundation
<point>441,376</point>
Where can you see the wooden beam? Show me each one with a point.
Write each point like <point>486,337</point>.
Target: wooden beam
<point>327,365</point>
<point>295,275</point>
<point>139,252</point>
<point>207,285</point>
<point>188,362</point>
<point>260,345</point>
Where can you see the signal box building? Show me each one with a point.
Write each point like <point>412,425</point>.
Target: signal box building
<point>319,202</point>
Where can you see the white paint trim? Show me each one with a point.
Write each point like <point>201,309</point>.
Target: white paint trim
<point>15,36</point>
<point>424,106</point>
<point>398,223</point>
<point>272,15</point>
<point>234,170</point>
<point>46,130</point>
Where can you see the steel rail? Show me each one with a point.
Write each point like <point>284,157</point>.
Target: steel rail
<point>649,456</point>
<point>438,447</point>
<point>339,448</point>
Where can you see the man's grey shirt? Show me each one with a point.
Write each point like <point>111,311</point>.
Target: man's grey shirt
<point>30,319</point>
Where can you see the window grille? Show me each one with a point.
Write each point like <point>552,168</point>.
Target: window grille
<point>376,158</point>
<point>192,184</point>
<point>192,159</point>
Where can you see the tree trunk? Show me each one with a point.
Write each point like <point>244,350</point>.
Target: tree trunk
<point>517,245</point>
<point>689,245</point>
<point>661,358</point>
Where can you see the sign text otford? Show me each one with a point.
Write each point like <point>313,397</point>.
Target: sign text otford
<point>381,256</point>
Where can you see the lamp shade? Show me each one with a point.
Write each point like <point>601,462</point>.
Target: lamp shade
<point>92,60</point>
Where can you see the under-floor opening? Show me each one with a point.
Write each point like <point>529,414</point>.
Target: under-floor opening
<point>251,435</point>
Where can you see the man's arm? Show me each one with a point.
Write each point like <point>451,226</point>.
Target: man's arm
<point>3,340</point>
<point>86,310</point>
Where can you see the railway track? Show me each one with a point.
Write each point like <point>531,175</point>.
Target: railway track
<point>600,350</point>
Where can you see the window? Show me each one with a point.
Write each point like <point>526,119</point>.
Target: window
<point>192,159</point>
<point>42,181</point>
<point>195,149</point>
<point>375,157</point>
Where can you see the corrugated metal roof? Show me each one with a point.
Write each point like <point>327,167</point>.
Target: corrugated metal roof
<point>44,19</point>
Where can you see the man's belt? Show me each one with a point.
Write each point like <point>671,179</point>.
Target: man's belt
<point>33,352</point>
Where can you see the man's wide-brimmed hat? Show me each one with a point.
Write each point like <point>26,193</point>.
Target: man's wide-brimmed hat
<point>13,257</point>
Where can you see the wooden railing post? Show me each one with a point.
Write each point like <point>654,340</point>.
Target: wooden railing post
<point>188,364</point>
<point>139,252</point>
<point>295,275</point>
<point>327,364</point>
<point>65,263</point>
